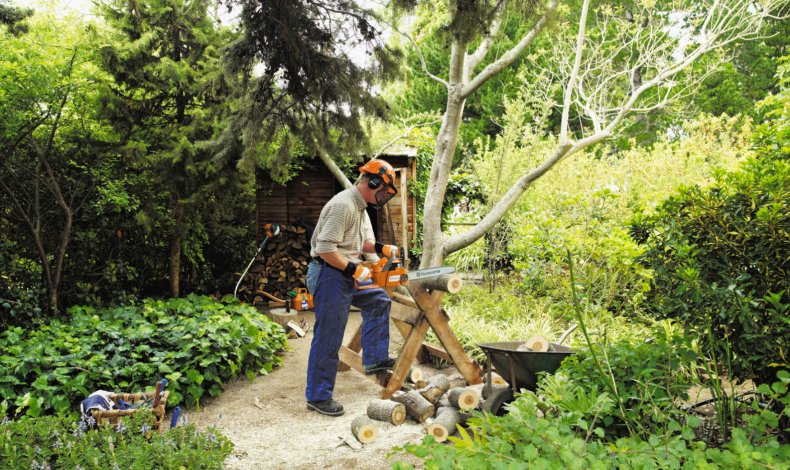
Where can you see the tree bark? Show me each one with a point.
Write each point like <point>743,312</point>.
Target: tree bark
<point>436,388</point>
<point>417,407</point>
<point>175,251</point>
<point>445,424</point>
<point>388,411</point>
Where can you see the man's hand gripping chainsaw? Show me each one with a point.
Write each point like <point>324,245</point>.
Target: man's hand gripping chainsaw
<point>389,271</point>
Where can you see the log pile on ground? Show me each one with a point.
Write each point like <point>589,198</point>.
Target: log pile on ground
<point>438,406</point>
<point>279,268</point>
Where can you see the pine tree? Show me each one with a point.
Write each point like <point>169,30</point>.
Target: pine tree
<point>168,101</point>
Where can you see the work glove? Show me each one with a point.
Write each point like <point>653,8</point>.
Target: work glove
<point>359,272</point>
<point>386,251</point>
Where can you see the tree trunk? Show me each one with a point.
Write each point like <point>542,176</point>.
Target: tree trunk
<point>446,143</point>
<point>175,251</point>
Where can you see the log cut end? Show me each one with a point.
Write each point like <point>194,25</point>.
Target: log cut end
<point>537,343</point>
<point>463,398</point>
<point>415,375</point>
<point>445,424</point>
<point>364,429</point>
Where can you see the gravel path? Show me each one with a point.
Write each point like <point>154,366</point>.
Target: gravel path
<point>271,428</point>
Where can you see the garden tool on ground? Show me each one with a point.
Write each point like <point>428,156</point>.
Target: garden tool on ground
<point>271,231</point>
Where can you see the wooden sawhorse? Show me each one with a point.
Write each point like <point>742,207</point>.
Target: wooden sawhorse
<point>413,316</point>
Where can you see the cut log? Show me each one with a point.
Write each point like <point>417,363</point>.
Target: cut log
<point>363,429</point>
<point>463,398</point>
<point>539,344</point>
<point>417,407</point>
<point>437,386</point>
<point>415,375</point>
<point>388,411</point>
<point>283,315</point>
<point>450,283</point>
<point>444,424</point>
<point>496,379</point>
<point>456,380</point>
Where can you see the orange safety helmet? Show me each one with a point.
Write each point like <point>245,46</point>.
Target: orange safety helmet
<point>380,173</point>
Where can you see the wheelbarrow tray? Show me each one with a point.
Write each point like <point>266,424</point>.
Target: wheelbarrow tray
<point>521,368</point>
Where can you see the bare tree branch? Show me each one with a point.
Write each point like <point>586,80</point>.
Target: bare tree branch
<point>474,59</point>
<point>605,92</point>
<point>510,56</point>
<point>422,59</point>
<point>566,108</point>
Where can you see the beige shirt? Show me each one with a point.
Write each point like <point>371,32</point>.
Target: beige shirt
<point>343,226</point>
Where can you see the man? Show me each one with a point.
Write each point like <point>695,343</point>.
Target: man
<point>342,234</point>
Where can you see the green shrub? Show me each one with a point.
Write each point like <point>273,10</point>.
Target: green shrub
<point>646,378</point>
<point>582,205</point>
<point>562,427</point>
<point>197,343</point>
<point>62,442</point>
<point>721,256</point>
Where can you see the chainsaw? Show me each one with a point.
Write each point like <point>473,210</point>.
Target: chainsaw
<point>390,272</point>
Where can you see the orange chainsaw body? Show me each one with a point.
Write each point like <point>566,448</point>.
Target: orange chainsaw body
<point>386,272</point>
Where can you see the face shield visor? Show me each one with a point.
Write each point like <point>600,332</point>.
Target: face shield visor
<point>384,195</point>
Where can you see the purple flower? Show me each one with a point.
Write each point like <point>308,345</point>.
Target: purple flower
<point>121,428</point>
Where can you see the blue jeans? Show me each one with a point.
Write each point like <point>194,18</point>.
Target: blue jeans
<point>333,293</point>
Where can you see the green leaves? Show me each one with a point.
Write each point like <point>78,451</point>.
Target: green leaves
<point>720,257</point>
<point>62,442</point>
<point>197,343</point>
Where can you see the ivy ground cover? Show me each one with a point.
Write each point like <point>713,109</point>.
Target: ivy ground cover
<point>197,343</point>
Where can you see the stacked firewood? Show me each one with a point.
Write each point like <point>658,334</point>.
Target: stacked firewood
<point>279,268</point>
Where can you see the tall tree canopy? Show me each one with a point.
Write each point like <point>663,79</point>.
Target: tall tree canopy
<point>168,100</point>
<point>307,70</point>
<point>13,17</point>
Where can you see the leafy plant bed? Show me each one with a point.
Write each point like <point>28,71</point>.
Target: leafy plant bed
<point>196,342</point>
<point>62,442</point>
<point>563,425</point>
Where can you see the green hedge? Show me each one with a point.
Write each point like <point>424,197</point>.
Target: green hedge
<point>197,343</point>
<point>721,263</point>
<point>62,442</point>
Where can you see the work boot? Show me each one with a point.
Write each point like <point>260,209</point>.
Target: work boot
<point>326,407</point>
<point>380,366</point>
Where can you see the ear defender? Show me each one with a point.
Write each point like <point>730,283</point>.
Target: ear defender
<point>374,181</point>
<point>380,173</point>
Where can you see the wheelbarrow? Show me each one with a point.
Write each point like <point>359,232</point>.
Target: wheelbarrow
<point>519,368</point>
